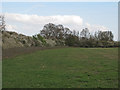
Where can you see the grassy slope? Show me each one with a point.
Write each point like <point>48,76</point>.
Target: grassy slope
<point>66,67</point>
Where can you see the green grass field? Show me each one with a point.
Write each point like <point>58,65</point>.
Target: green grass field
<point>63,68</point>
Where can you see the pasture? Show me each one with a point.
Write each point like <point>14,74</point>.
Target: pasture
<point>62,68</point>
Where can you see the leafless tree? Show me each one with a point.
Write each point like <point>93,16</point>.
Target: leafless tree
<point>85,33</point>
<point>2,23</point>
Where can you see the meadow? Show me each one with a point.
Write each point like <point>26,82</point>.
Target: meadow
<point>62,68</point>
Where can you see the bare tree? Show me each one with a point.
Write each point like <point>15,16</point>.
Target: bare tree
<point>2,23</point>
<point>85,33</point>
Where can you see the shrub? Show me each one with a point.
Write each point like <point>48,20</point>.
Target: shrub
<point>72,40</point>
<point>41,39</point>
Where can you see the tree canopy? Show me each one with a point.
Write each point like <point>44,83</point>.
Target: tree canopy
<point>77,38</point>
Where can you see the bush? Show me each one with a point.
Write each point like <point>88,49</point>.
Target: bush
<point>41,39</point>
<point>72,40</point>
<point>38,38</point>
<point>34,37</point>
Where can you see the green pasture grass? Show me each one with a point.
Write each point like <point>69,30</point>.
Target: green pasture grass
<point>63,68</point>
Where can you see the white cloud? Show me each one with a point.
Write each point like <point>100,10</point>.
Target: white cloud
<point>11,27</point>
<point>93,28</point>
<point>32,24</point>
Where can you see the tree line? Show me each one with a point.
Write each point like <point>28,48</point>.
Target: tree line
<point>77,38</point>
<point>64,36</point>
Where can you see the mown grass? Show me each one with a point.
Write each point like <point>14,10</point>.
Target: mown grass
<point>63,68</point>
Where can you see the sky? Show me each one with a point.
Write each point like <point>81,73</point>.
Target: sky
<point>29,17</point>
